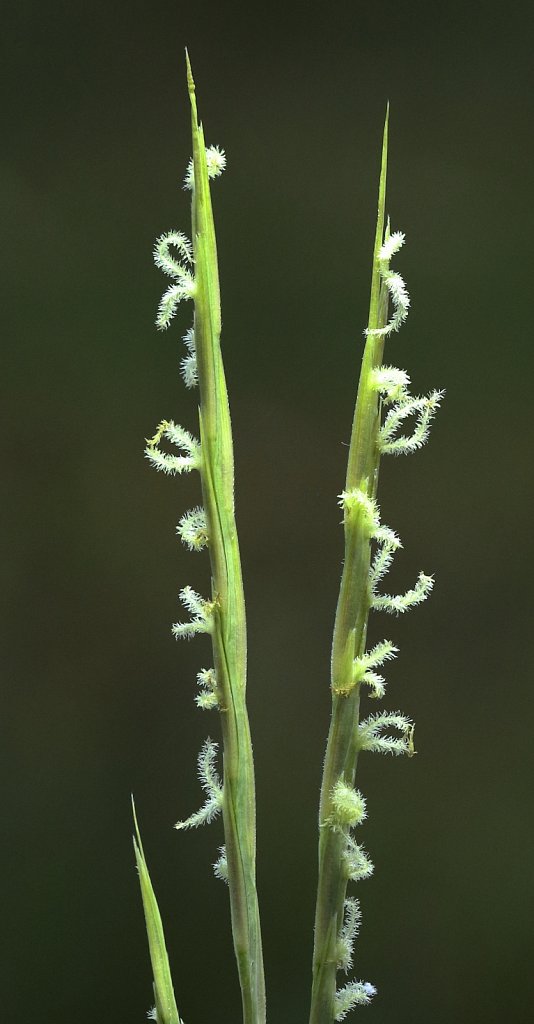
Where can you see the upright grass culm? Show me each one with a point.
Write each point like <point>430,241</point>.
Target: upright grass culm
<point>195,275</point>
<point>369,550</point>
<point>383,405</point>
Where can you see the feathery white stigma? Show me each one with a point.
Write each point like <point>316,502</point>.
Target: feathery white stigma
<point>183,440</point>
<point>202,612</point>
<point>215,165</point>
<point>356,993</point>
<point>394,284</point>
<point>211,784</point>
<point>370,734</point>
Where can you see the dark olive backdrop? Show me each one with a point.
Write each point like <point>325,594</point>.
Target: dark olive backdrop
<point>97,697</point>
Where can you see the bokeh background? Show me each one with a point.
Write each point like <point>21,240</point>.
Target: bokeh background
<point>97,697</point>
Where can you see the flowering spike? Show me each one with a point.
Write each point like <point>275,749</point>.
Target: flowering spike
<point>220,868</point>
<point>384,651</point>
<point>356,993</point>
<point>184,288</point>
<point>357,503</point>
<point>193,529</point>
<point>394,284</point>
<point>358,864</point>
<point>399,603</point>
<point>424,408</point>
<point>173,464</point>
<point>162,254</point>
<point>363,668</point>
<point>170,300</point>
<point>370,734</point>
<point>215,164</point>
<point>188,364</point>
<point>388,543</point>
<point>209,695</point>
<point>211,784</point>
<point>351,925</point>
<point>390,382</point>
<point>348,806</point>
<point>202,612</point>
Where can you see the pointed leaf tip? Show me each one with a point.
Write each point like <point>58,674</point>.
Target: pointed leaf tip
<point>167,1012</point>
<point>137,836</point>
<point>190,79</point>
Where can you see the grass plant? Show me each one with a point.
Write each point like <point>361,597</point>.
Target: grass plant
<point>384,408</point>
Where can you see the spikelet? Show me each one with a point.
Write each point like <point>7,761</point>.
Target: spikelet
<point>348,806</point>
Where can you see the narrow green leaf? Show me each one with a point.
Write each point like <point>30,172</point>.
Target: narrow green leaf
<point>166,1010</point>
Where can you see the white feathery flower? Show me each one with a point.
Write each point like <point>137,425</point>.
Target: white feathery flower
<point>215,164</point>
<point>394,284</point>
<point>170,300</point>
<point>355,502</point>
<point>356,993</point>
<point>208,696</point>
<point>172,464</point>
<point>220,868</point>
<point>351,926</point>
<point>370,734</point>
<point>193,529</point>
<point>389,543</point>
<point>357,863</point>
<point>179,269</point>
<point>215,161</point>
<point>391,383</point>
<point>391,245</point>
<point>163,257</point>
<point>424,407</point>
<point>363,668</point>
<point>211,784</point>
<point>188,365</point>
<point>200,609</point>
<point>348,806</point>
<point>399,603</point>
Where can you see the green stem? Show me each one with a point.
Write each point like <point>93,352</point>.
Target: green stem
<point>348,642</point>
<point>229,633</point>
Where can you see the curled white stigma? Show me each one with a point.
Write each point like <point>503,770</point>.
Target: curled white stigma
<point>172,464</point>
<point>394,284</point>
<point>211,784</point>
<point>370,734</point>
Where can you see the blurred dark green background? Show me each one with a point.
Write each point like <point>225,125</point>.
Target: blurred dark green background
<point>97,697</point>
